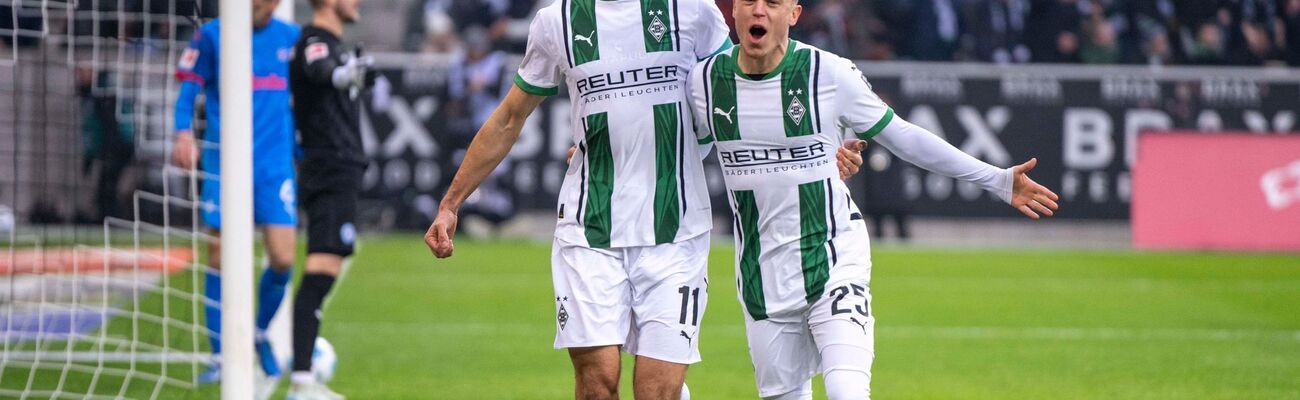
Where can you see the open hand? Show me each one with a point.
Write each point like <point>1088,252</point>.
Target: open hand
<point>185,153</point>
<point>1028,196</point>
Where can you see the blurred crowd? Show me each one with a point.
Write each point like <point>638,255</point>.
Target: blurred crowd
<point>1159,32</point>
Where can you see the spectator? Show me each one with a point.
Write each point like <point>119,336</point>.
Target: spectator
<point>1153,32</point>
<point>998,28</point>
<point>1102,46</point>
<point>1053,31</point>
<point>109,142</point>
<point>1250,31</point>
<point>1207,47</point>
<point>1291,24</point>
<point>430,27</point>
<point>1156,48</point>
<point>935,30</point>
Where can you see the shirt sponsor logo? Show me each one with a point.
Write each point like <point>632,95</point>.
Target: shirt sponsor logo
<point>270,82</point>
<point>316,51</point>
<point>627,81</point>
<point>779,159</point>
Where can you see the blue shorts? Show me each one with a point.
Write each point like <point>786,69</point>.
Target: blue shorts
<point>275,200</point>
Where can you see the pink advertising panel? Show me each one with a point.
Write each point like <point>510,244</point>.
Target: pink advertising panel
<point>1217,191</point>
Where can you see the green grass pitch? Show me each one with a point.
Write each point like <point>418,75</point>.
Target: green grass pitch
<point>951,324</point>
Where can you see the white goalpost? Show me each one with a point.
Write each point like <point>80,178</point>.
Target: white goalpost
<point>114,309</point>
<point>236,199</point>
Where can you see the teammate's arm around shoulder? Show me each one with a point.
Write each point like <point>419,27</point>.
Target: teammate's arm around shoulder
<point>489,147</point>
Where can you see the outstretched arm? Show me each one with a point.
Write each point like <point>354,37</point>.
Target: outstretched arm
<point>1013,185</point>
<point>489,147</point>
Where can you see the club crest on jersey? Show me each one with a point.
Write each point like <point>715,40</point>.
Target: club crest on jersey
<point>657,27</point>
<point>316,51</point>
<point>189,58</point>
<point>796,111</point>
<point>562,317</point>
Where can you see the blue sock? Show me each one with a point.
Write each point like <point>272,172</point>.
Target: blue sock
<point>270,293</point>
<point>212,289</point>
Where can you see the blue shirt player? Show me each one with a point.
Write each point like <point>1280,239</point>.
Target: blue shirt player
<point>274,206</point>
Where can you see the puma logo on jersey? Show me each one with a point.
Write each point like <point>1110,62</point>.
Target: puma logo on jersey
<point>727,114</point>
<point>577,37</point>
<point>688,337</point>
<point>862,324</point>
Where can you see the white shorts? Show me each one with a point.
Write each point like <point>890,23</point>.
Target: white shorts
<point>787,354</point>
<point>648,299</point>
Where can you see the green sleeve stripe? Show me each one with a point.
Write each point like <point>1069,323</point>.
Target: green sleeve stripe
<point>535,90</point>
<point>705,140</point>
<point>879,126</point>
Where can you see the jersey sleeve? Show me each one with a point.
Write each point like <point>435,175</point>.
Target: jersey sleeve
<point>861,110</point>
<point>713,34</point>
<point>198,61</point>
<point>194,70</point>
<point>699,103</point>
<point>318,60</point>
<point>539,71</point>
<point>926,150</point>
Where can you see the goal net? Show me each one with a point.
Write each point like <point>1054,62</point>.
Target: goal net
<point>101,294</point>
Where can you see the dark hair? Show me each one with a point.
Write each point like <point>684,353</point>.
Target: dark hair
<point>317,4</point>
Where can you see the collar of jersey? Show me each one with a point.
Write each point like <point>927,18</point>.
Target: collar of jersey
<point>735,58</point>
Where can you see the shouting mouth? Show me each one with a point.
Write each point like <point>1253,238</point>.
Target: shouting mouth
<point>757,33</point>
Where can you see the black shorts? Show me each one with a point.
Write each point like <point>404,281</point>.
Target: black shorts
<point>328,192</point>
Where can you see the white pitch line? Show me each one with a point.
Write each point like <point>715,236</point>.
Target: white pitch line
<point>1087,334</point>
<point>886,331</point>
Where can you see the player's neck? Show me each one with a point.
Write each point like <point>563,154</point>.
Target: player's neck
<point>328,21</point>
<point>762,63</point>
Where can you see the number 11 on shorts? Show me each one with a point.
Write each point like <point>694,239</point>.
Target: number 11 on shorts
<point>690,299</point>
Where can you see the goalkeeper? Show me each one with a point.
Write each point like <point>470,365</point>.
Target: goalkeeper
<point>274,208</point>
<point>326,81</point>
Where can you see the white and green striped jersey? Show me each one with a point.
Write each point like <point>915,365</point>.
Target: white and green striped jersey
<point>637,179</point>
<point>777,136</point>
